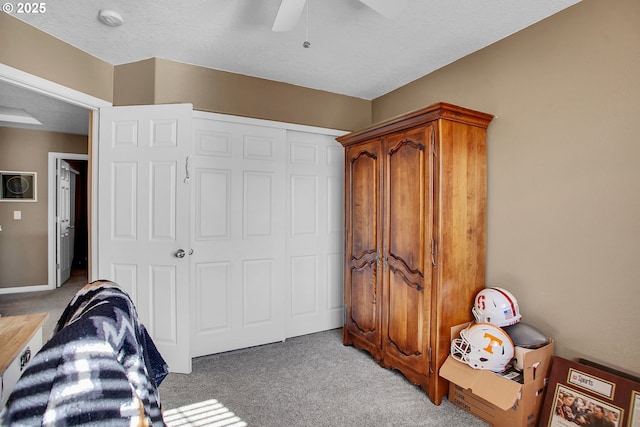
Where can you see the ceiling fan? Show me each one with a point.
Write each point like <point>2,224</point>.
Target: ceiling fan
<point>290,11</point>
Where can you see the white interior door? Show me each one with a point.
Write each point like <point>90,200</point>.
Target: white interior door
<point>64,238</point>
<point>315,199</point>
<point>72,214</point>
<point>143,218</point>
<point>238,235</point>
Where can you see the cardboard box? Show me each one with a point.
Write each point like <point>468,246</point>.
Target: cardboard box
<point>497,400</point>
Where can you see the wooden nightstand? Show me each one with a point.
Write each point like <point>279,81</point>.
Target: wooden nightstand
<point>20,339</point>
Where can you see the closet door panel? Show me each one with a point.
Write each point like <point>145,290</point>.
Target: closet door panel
<point>238,235</point>
<point>315,186</point>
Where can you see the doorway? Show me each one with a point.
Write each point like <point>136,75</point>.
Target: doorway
<point>67,230</point>
<point>34,85</point>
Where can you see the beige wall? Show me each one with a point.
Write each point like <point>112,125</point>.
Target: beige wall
<point>159,81</point>
<point>134,83</point>
<point>564,171</point>
<point>31,50</point>
<point>24,243</point>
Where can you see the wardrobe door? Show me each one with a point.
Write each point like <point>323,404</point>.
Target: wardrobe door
<point>407,231</point>
<point>363,246</point>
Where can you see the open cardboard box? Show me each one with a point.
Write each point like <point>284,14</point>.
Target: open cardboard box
<point>494,398</point>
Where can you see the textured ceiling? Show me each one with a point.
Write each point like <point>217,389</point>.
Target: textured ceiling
<point>354,51</point>
<point>55,115</point>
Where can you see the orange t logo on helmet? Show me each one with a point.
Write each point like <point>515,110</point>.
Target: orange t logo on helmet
<point>492,339</point>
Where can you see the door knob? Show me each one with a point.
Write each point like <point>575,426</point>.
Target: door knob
<point>180,253</point>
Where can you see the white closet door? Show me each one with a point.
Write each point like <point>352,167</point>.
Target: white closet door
<point>238,235</point>
<point>315,190</point>
<point>143,218</point>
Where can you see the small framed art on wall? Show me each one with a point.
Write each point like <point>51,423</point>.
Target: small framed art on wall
<point>18,186</point>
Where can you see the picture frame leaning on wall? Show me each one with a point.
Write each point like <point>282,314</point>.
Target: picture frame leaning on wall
<point>587,394</point>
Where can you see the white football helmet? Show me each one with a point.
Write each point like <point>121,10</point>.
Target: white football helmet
<point>497,306</point>
<point>483,346</point>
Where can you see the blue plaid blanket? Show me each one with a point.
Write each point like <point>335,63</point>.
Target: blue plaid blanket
<point>99,368</point>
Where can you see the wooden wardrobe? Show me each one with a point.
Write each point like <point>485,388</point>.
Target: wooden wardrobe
<point>415,236</point>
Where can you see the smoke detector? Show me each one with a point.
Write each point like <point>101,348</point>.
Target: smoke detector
<point>110,18</point>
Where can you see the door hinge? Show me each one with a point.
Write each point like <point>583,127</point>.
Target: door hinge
<point>57,266</point>
<point>429,357</point>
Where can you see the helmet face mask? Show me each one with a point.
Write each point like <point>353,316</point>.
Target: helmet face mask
<point>497,306</point>
<point>483,346</point>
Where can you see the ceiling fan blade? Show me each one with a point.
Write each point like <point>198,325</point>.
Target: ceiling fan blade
<point>288,15</point>
<point>388,8</point>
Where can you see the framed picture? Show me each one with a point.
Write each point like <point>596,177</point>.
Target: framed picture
<point>575,408</point>
<point>634,414</point>
<point>587,394</point>
<point>18,186</point>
